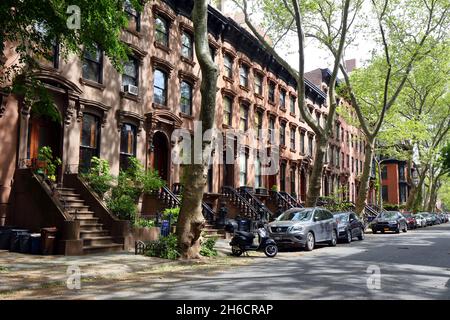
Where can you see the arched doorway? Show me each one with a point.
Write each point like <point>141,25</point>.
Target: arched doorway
<point>161,158</point>
<point>302,185</point>
<point>43,131</point>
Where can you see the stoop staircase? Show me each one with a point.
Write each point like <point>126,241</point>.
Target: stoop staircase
<point>95,237</point>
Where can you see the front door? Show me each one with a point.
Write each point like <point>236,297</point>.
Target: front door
<point>42,132</point>
<point>161,155</point>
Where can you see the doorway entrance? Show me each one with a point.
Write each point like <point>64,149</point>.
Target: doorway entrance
<point>161,157</point>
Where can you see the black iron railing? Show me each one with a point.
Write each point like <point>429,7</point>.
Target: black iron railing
<point>263,211</point>
<point>240,202</point>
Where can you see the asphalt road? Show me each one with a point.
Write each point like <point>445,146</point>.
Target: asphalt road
<point>412,265</point>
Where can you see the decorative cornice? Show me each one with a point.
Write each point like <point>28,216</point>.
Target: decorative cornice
<point>187,76</point>
<point>163,64</point>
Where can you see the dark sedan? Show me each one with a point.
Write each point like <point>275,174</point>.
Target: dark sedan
<point>412,223</point>
<point>349,226</point>
<point>389,221</point>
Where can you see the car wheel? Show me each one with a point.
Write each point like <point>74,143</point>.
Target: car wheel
<point>271,250</point>
<point>374,231</point>
<point>398,229</point>
<point>382,231</point>
<point>333,241</point>
<point>361,235</point>
<point>236,251</point>
<point>310,242</point>
<point>348,239</point>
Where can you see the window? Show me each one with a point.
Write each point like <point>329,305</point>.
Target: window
<point>401,172</point>
<point>212,52</point>
<point>283,134</point>
<point>243,159</point>
<point>258,176</point>
<point>258,122</point>
<point>243,75</point>
<point>356,166</point>
<point>228,64</point>
<point>161,31</point>
<point>283,176</point>
<point>343,160</point>
<point>360,166</point>
<point>271,92</point>
<point>353,165</point>
<point>243,118</point>
<point>227,109</point>
<point>258,84</point>
<point>272,130</point>
<point>186,46</point>
<point>348,139</point>
<point>130,72</point>
<point>186,98</point>
<point>127,144</point>
<point>352,140</point>
<point>292,138</point>
<point>292,178</point>
<point>402,193</point>
<point>384,173</point>
<point>283,99</point>
<point>318,119</point>
<point>89,140</point>
<point>338,128</point>
<point>384,193</point>
<point>160,87</point>
<point>338,160</point>
<point>134,21</point>
<point>310,146</point>
<point>302,142</point>
<point>348,161</point>
<point>93,65</point>
<point>292,105</point>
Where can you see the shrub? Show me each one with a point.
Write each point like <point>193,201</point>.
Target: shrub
<point>171,214</point>
<point>207,247</point>
<point>165,247</point>
<point>390,207</point>
<point>99,177</point>
<point>45,155</point>
<point>144,223</point>
<point>123,206</point>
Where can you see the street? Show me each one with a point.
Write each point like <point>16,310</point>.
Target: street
<point>412,265</point>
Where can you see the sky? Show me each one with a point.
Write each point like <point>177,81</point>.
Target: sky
<point>315,56</point>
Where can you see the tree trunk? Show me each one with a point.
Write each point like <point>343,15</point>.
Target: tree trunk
<point>191,221</point>
<point>315,179</point>
<point>411,202</point>
<point>365,179</point>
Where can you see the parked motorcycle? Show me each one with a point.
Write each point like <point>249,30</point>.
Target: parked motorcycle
<point>243,241</point>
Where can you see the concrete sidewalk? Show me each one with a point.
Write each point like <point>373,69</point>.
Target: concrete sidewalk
<point>24,271</point>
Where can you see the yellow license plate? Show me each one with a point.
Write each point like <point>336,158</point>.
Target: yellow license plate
<point>386,229</point>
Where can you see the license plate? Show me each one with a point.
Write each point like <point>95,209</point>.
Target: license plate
<point>386,229</point>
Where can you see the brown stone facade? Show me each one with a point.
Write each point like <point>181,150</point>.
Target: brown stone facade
<point>252,88</point>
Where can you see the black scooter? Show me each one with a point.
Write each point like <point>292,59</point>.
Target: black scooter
<point>242,241</point>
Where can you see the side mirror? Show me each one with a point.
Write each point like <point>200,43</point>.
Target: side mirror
<point>316,219</point>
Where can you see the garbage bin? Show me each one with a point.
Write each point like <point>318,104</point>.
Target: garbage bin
<point>14,245</point>
<point>35,239</point>
<point>24,242</point>
<point>244,225</point>
<point>5,238</point>
<point>48,240</point>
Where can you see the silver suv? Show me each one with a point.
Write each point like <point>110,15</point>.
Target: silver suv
<point>304,227</point>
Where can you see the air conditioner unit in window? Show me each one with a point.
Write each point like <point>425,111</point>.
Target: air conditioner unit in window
<point>129,88</point>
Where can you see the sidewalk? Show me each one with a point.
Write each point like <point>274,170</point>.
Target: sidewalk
<point>25,272</point>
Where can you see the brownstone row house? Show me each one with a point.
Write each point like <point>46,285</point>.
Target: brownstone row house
<point>114,116</point>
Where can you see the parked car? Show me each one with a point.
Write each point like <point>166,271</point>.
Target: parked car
<point>389,221</point>
<point>420,220</point>
<point>436,217</point>
<point>349,226</point>
<point>410,219</point>
<point>431,220</point>
<point>304,227</point>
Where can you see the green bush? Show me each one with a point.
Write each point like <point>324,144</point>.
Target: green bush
<point>45,155</point>
<point>144,223</point>
<point>165,247</point>
<point>99,177</point>
<point>207,247</point>
<point>390,207</point>
<point>172,213</point>
<point>123,206</point>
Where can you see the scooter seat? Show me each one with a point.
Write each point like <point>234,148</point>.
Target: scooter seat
<point>247,235</point>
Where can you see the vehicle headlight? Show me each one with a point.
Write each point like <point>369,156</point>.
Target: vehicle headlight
<point>296,229</point>
<point>392,222</point>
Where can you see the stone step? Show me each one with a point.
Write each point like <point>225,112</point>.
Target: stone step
<point>93,233</point>
<point>113,247</point>
<point>91,227</point>
<point>66,189</point>
<point>87,221</point>
<point>76,205</point>
<point>71,199</point>
<point>94,241</point>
